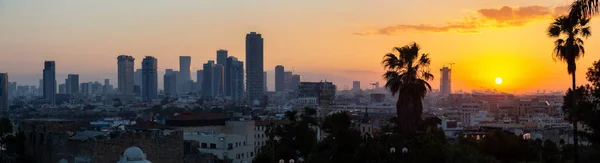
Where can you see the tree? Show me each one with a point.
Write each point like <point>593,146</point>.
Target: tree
<point>569,49</point>
<point>584,8</point>
<point>342,143</point>
<point>407,75</point>
<point>290,141</point>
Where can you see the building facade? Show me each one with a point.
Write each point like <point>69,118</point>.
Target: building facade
<point>254,67</point>
<point>149,78</point>
<point>207,83</point>
<point>219,80</point>
<point>3,92</point>
<point>234,78</point>
<point>445,81</point>
<point>184,74</point>
<point>170,82</point>
<point>72,84</point>
<point>125,77</point>
<point>279,78</point>
<point>50,82</point>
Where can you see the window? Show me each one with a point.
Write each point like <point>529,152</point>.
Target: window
<point>251,154</point>
<point>236,144</point>
<point>204,145</point>
<point>230,146</point>
<point>213,146</point>
<point>242,155</point>
<point>244,143</point>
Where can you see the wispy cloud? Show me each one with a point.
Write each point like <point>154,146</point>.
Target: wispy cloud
<point>484,18</point>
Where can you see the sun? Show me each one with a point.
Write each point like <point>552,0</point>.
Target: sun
<point>498,80</point>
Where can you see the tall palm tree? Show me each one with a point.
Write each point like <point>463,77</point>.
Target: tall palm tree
<point>569,48</point>
<point>584,8</point>
<point>407,75</point>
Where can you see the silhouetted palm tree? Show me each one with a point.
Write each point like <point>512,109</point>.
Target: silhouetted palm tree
<point>569,48</point>
<point>584,8</point>
<point>407,75</point>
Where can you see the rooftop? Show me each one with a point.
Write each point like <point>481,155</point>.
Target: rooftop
<point>196,116</point>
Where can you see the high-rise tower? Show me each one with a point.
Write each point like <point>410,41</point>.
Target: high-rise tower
<point>279,78</point>
<point>445,81</point>
<point>254,67</point>
<point>149,78</point>
<point>184,77</point>
<point>3,92</point>
<point>125,75</point>
<point>50,82</point>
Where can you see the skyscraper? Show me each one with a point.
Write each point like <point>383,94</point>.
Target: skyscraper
<point>279,78</point>
<point>106,88</point>
<point>234,79</point>
<point>255,87</point>
<point>184,74</point>
<point>50,82</point>
<point>62,88</point>
<point>295,82</point>
<point>149,78</point>
<point>287,80</point>
<point>356,85</point>
<point>221,56</point>
<point>170,82</point>
<point>199,80</point>
<point>219,79</point>
<point>73,84</point>
<point>3,92</point>
<point>445,81</point>
<point>125,75</point>
<point>207,83</point>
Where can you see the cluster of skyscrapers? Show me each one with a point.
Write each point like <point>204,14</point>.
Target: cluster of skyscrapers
<point>221,79</point>
<point>285,81</point>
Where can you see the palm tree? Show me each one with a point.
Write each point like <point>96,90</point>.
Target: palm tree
<point>407,75</point>
<point>584,8</point>
<point>569,48</point>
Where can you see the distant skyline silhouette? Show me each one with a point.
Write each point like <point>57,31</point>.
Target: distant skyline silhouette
<point>340,40</point>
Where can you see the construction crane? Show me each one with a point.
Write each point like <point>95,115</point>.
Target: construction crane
<point>451,64</point>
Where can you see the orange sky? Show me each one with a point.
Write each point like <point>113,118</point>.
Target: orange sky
<point>337,40</point>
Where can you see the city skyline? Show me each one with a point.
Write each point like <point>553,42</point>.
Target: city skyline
<point>368,34</point>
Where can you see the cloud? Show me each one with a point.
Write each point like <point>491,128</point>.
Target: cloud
<point>483,18</point>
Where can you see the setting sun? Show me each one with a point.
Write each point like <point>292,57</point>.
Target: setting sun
<point>498,80</point>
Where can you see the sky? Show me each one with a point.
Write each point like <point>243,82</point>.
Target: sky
<point>333,40</point>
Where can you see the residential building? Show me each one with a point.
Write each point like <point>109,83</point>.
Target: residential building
<point>184,74</point>
<point>356,85</point>
<point>149,78</point>
<point>234,80</point>
<point>255,87</point>
<point>445,81</point>
<point>125,76</point>
<point>170,82</point>
<point>4,92</point>
<point>72,84</point>
<point>50,82</point>
<point>316,90</point>
<point>208,89</point>
<point>219,80</point>
<point>279,78</point>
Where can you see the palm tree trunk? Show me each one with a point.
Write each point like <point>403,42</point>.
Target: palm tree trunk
<point>574,116</point>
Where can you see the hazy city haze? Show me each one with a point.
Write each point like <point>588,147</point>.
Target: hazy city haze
<point>341,40</point>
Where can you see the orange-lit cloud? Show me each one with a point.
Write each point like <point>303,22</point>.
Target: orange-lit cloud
<point>484,18</point>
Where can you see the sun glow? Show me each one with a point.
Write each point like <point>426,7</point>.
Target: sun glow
<point>498,80</point>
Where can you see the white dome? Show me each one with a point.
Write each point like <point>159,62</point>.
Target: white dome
<point>63,161</point>
<point>134,154</point>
